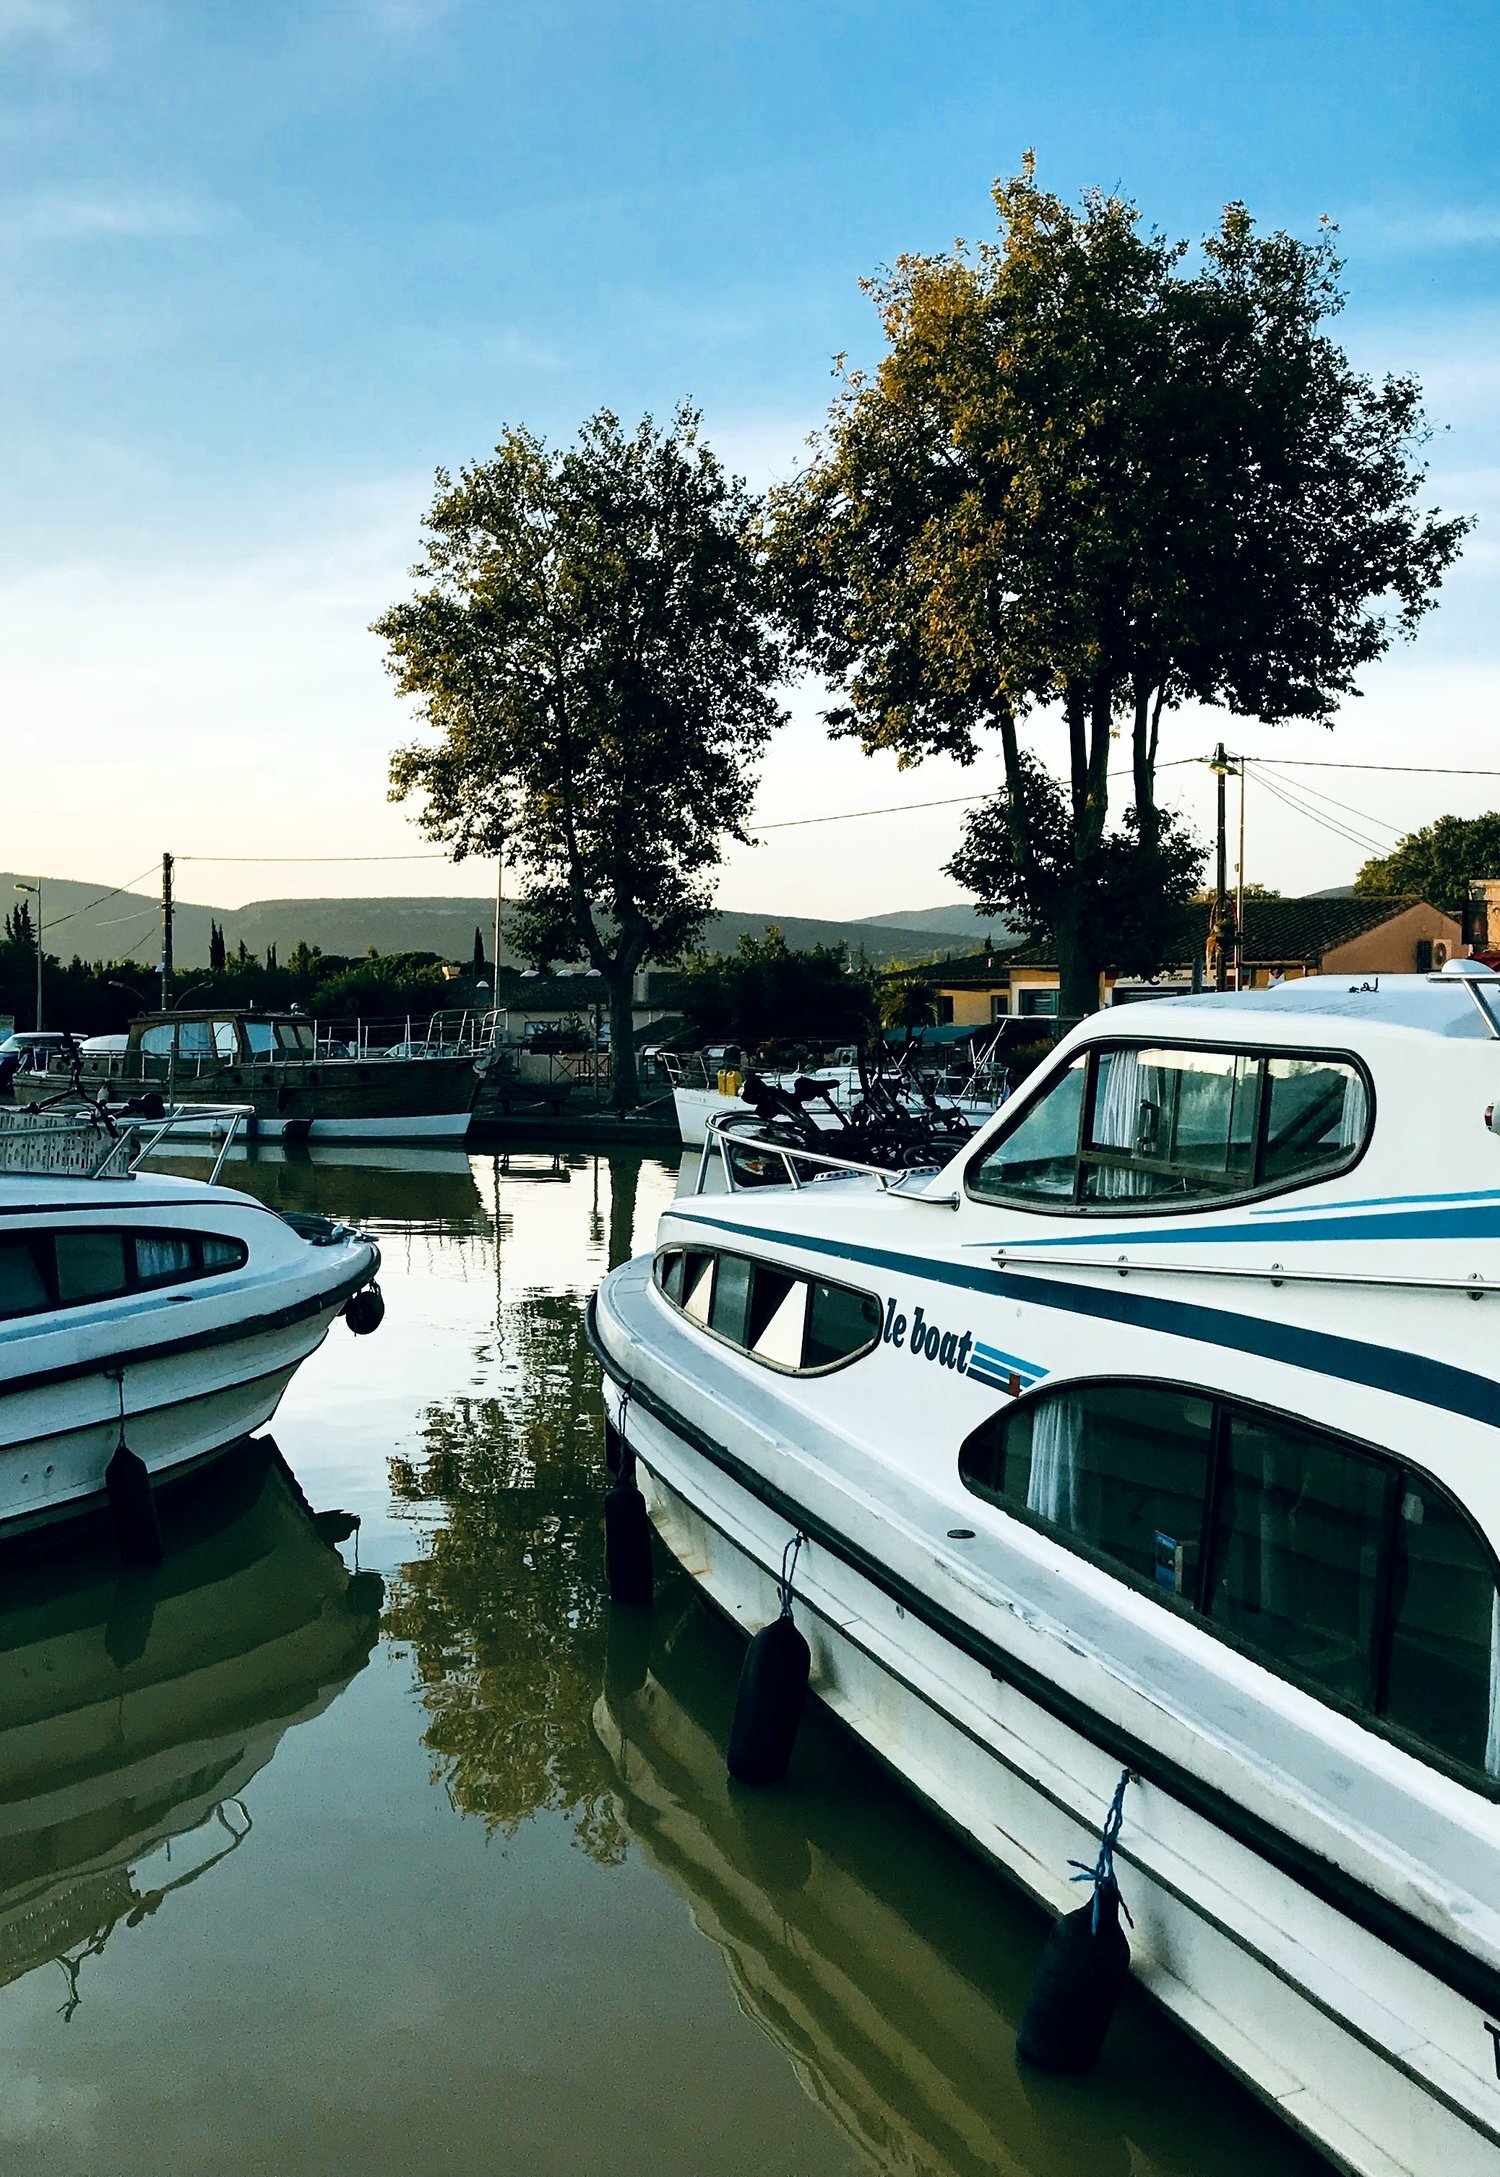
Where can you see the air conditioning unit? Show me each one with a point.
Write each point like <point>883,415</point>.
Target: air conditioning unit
<point>1440,952</point>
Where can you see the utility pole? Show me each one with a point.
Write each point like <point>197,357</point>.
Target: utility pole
<point>1239,893</point>
<point>166,920</point>
<point>495,973</point>
<point>1221,877</point>
<point>36,892</point>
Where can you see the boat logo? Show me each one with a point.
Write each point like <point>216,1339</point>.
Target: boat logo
<point>961,1351</point>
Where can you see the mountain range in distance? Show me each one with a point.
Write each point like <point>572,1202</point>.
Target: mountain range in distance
<point>91,921</point>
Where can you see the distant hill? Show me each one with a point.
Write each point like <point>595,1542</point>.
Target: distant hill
<point>77,920</point>
<point>962,920</point>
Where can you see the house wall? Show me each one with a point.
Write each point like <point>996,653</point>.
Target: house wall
<point>1392,948</point>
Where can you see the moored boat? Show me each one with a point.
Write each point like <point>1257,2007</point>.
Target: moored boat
<point>273,1064</point>
<point>1157,1435</point>
<point>165,1313</point>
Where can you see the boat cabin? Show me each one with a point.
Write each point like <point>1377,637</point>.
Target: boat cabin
<point>223,1034</point>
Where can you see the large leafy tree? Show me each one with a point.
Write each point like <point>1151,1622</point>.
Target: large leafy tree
<point>593,645</point>
<point>767,988</point>
<point>1088,481</point>
<point>1438,861</point>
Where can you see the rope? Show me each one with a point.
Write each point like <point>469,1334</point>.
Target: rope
<point>1102,1873</point>
<point>789,1558</point>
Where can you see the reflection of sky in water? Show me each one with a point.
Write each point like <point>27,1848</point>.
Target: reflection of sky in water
<point>467,1932</point>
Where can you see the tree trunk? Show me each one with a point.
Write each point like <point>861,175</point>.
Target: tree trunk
<point>623,1090</point>
<point>1079,964</point>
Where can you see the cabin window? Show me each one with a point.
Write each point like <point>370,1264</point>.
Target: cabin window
<point>195,1038</point>
<point>1332,1564</point>
<point>1038,1159</point>
<point>294,1038</point>
<point>157,1042</point>
<point>90,1266</point>
<point>794,1323</point>
<point>69,1269</point>
<point>1297,1550</point>
<point>23,1283</point>
<point>226,1042</point>
<point>1169,1127</point>
<point>261,1038</point>
<point>840,1324</point>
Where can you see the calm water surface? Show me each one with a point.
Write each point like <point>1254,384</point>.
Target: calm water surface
<point>407,1863</point>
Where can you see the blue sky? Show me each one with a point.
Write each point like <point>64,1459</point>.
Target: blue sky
<point>265,266</point>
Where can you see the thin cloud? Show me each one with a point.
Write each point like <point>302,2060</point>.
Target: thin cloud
<point>102,214</point>
<point>1452,227</point>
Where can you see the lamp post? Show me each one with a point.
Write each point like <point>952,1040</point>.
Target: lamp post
<point>36,891</point>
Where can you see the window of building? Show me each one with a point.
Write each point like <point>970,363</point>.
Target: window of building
<point>1038,1002</point>
<point>1169,1127</point>
<point>999,1005</point>
<point>790,1322</point>
<point>1332,1564</point>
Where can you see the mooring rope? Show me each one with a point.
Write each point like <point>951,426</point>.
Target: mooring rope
<point>1102,1873</point>
<point>789,1558</point>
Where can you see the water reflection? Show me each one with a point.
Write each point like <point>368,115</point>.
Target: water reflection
<point>885,1962</point>
<point>135,1707</point>
<point>504,1611</point>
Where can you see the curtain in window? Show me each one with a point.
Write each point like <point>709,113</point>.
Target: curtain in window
<point>1492,1744</point>
<point>1117,1115</point>
<point>1055,1490</point>
<point>1353,1116</point>
<point>162,1254</point>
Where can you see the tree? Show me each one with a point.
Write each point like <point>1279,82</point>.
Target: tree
<point>216,955</point>
<point>1090,481</point>
<point>1438,861</point>
<point>768,988</point>
<point>479,960</point>
<point>20,929</point>
<point>593,644</point>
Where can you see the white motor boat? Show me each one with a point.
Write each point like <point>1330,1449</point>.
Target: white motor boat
<point>1156,1437</point>
<point>163,1312</point>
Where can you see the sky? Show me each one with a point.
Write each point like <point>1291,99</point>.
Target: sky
<point>265,267</point>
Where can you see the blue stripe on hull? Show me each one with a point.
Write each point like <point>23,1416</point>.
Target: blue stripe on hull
<point>1326,1353</point>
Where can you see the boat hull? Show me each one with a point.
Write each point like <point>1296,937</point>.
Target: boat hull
<point>56,1438</point>
<point>1260,1950</point>
<point>418,1099</point>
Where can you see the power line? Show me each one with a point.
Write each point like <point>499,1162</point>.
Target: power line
<point>1326,763</point>
<point>99,902</point>
<point>311,858</point>
<point>1364,816</point>
<point>1332,824</point>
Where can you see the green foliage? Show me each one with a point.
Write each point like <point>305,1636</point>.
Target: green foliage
<point>908,1004</point>
<point>1131,889</point>
<point>1089,479</point>
<point>766,989</point>
<point>592,646</point>
<point>1438,861</point>
<point>504,1611</point>
<point>216,956</point>
<point>19,927</point>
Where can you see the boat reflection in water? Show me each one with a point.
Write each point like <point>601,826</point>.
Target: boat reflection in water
<point>891,1970</point>
<point>412,1187</point>
<point>135,1706</point>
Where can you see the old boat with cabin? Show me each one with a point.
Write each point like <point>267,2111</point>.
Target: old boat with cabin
<point>274,1063</point>
<point>1157,1436</point>
<point>165,1314</point>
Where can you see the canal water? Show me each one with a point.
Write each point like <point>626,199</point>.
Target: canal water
<point>330,1851</point>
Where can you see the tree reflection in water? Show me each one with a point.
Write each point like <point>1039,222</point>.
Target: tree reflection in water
<point>505,1612</point>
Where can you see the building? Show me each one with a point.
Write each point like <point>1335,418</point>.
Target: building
<point>1384,934</point>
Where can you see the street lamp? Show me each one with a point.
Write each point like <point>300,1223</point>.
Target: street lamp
<point>36,891</point>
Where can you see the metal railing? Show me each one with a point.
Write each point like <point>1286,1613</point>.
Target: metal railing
<point>721,1136</point>
<point>86,1142</point>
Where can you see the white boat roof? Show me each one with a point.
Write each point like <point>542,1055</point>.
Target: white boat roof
<point>1431,1005</point>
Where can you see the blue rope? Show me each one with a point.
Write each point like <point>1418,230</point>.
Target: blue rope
<point>1102,1873</point>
